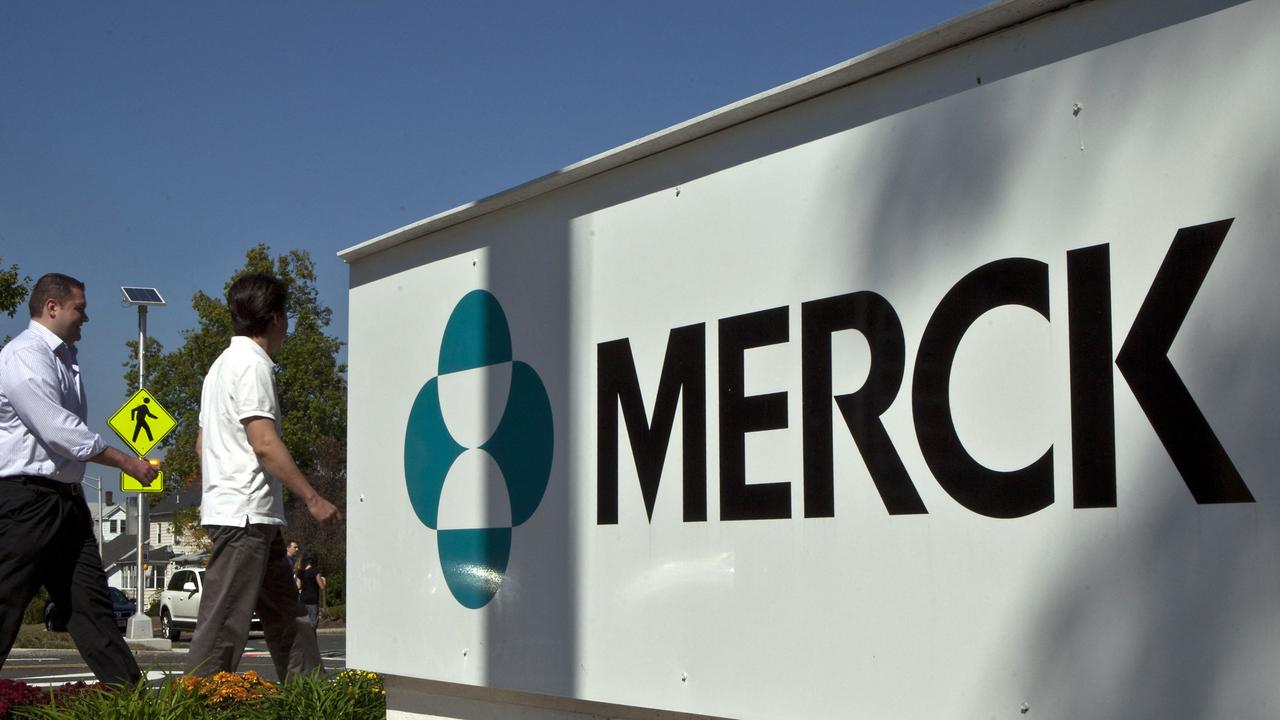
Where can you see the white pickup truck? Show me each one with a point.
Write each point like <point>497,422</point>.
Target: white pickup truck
<point>180,604</point>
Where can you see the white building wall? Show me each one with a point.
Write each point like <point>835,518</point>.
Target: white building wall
<point>1105,128</point>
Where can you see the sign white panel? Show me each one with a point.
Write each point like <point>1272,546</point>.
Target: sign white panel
<point>947,394</point>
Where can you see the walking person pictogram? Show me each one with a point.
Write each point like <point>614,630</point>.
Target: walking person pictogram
<point>139,416</point>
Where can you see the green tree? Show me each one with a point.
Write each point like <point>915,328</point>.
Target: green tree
<point>13,290</point>
<point>329,544</point>
<point>310,383</point>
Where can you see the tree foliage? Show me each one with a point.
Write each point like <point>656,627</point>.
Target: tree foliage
<point>328,544</point>
<point>310,383</point>
<point>13,290</point>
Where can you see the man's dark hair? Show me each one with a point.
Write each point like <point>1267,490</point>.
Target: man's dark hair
<point>253,300</point>
<point>54,286</point>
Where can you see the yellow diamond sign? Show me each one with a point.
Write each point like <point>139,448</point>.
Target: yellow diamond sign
<point>142,422</point>
<point>129,483</point>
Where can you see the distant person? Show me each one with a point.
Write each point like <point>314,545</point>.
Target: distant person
<point>311,585</point>
<point>243,464</point>
<point>291,553</point>
<point>46,530</point>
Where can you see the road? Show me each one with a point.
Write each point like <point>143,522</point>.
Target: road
<point>57,667</point>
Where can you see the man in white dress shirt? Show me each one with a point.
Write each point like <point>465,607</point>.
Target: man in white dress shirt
<point>46,530</point>
<point>244,462</point>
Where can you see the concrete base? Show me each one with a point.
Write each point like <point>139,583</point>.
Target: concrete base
<point>139,628</point>
<point>415,699</point>
<point>149,644</point>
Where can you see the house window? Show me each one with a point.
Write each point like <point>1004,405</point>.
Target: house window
<point>114,527</point>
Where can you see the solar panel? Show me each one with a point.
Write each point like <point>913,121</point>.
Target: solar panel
<point>142,296</point>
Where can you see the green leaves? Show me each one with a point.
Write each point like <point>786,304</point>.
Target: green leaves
<point>13,290</point>
<point>311,383</point>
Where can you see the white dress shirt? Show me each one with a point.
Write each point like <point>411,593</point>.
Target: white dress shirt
<point>43,409</point>
<point>237,489</point>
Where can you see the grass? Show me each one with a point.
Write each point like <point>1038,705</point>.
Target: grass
<point>35,636</point>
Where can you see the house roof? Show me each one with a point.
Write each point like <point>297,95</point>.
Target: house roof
<point>116,548</point>
<point>180,499</point>
<point>108,511</point>
<point>123,550</point>
<point>195,558</point>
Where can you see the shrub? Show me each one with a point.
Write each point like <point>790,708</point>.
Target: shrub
<point>18,698</point>
<point>349,695</point>
<point>35,609</point>
<point>337,613</point>
<point>225,689</point>
<point>35,636</point>
<point>336,591</point>
<point>13,693</point>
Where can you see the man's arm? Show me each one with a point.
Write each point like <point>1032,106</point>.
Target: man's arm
<point>275,457</point>
<point>30,384</point>
<point>138,467</point>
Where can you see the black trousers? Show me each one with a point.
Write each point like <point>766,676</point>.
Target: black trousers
<point>248,571</point>
<point>46,538</point>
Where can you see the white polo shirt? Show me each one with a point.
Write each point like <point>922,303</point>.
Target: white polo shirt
<point>237,489</point>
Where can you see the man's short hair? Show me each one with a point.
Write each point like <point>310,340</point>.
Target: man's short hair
<point>253,300</point>
<point>54,286</point>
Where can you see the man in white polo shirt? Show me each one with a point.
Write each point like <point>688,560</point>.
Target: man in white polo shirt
<point>243,464</point>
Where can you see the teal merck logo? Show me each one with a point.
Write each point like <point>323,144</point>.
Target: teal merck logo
<point>478,448</point>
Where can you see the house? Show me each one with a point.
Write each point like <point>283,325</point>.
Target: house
<point>111,524</point>
<point>165,550</point>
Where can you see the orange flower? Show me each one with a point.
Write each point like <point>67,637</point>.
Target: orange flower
<point>224,688</point>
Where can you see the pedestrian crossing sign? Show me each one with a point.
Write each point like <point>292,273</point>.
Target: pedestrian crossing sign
<point>129,483</point>
<point>142,422</point>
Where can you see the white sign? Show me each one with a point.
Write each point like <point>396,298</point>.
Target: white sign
<point>946,394</point>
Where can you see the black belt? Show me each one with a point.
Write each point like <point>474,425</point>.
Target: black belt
<point>62,488</point>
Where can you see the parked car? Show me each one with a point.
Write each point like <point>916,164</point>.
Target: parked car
<point>180,604</point>
<point>122,608</point>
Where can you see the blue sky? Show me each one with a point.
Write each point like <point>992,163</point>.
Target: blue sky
<point>152,143</point>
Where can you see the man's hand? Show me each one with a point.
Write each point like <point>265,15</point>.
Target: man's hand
<point>323,511</point>
<point>140,468</point>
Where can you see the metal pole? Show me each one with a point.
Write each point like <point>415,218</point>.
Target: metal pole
<point>142,507</point>
<point>142,346</point>
<point>139,627</point>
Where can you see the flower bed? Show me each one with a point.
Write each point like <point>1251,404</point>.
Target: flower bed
<point>349,695</point>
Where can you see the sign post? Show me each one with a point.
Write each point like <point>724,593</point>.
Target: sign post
<point>134,416</point>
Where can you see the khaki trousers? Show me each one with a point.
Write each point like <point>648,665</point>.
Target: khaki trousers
<point>248,571</point>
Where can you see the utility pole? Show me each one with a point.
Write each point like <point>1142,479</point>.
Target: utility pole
<point>139,627</point>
